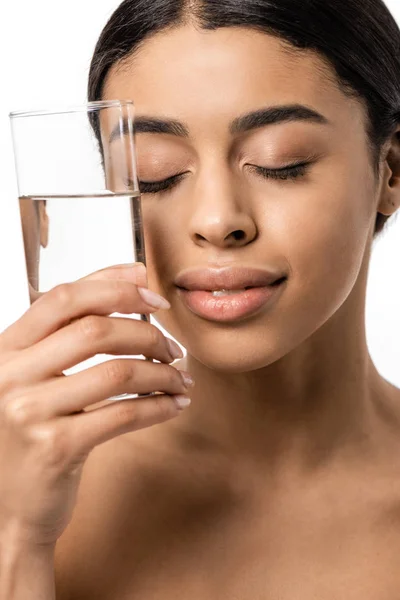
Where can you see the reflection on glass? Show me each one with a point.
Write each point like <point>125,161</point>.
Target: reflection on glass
<point>78,192</point>
<point>66,238</point>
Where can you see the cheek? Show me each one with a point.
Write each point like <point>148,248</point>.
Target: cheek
<point>324,237</point>
<point>164,236</point>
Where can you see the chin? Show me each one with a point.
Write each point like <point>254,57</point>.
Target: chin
<point>234,351</point>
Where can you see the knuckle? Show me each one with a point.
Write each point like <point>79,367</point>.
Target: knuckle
<point>52,444</point>
<point>93,328</point>
<point>118,372</point>
<point>62,294</point>
<point>18,411</point>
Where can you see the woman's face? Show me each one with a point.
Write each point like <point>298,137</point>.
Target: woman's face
<point>315,229</point>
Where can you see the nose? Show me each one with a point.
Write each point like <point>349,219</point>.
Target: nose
<point>220,212</point>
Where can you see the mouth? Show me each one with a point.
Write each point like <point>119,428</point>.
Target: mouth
<point>228,305</point>
<point>237,291</point>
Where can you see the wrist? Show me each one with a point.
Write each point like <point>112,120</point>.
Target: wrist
<point>14,536</point>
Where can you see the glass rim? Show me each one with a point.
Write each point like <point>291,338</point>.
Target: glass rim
<point>85,107</point>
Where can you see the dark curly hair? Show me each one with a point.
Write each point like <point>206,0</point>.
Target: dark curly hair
<point>360,39</point>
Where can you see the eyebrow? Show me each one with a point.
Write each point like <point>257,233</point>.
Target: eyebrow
<point>254,120</point>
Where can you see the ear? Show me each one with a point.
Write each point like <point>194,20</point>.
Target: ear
<point>44,224</point>
<point>389,200</point>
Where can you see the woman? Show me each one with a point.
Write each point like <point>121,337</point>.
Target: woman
<point>268,153</point>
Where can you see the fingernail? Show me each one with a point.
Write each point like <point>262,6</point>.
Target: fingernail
<point>182,401</point>
<point>175,350</point>
<point>187,378</point>
<point>153,299</point>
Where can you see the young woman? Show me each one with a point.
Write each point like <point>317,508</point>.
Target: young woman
<point>269,158</point>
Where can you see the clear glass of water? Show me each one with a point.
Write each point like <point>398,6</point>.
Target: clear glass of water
<point>78,190</point>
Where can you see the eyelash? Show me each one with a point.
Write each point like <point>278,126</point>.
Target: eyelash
<point>155,187</point>
<point>289,173</point>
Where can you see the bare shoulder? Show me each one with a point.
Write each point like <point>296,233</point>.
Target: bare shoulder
<point>124,500</point>
<point>102,523</point>
<point>396,394</point>
<point>388,404</point>
<point>138,496</point>
<point>382,463</point>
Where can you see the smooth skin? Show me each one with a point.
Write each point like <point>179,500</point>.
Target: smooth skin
<point>282,479</point>
<point>50,422</point>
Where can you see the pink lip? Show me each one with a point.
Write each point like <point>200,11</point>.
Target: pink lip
<point>234,277</point>
<point>231,307</point>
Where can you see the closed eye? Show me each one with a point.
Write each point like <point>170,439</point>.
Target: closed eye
<point>290,172</point>
<point>154,187</point>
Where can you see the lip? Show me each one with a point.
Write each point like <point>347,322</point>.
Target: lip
<point>227,278</point>
<point>194,287</point>
<point>231,307</point>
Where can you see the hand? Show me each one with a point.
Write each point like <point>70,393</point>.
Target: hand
<point>45,433</point>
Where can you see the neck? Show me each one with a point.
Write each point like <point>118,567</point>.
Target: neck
<point>315,403</point>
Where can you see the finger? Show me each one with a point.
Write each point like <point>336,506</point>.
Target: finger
<point>83,339</point>
<point>93,428</point>
<point>113,272</point>
<point>26,330</point>
<point>70,301</point>
<point>72,393</point>
<point>120,272</point>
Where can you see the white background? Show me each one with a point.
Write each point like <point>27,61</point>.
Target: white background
<point>45,50</point>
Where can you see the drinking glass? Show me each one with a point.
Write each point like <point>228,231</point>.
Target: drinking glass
<point>79,196</point>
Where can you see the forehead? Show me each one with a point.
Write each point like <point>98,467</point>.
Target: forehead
<point>214,75</point>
